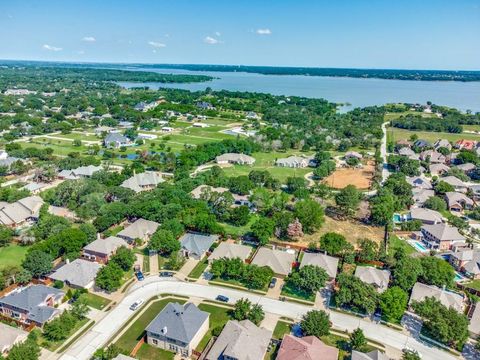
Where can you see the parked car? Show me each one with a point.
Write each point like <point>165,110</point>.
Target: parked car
<point>166,274</point>
<point>139,276</point>
<point>273,282</point>
<point>222,298</point>
<point>136,304</point>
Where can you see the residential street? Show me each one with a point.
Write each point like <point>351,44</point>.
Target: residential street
<point>99,335</point>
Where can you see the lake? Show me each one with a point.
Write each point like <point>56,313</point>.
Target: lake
<point>354,91</point>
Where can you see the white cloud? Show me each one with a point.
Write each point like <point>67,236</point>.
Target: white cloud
<point>51,48</point>
<point>156,44</point>
<point>89,39</point>
<point>211,40</point>
<point>217,33</point>
<point>264,32</point>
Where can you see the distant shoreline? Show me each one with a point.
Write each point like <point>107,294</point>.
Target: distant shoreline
<point>388,74</point>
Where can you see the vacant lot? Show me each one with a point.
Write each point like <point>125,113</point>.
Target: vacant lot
<point>360,178</point>
<point>395,134</point>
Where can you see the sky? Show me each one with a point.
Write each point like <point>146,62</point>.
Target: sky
<point>405,34</point>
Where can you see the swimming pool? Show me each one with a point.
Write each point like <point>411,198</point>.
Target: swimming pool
<point>418,245</point>
<point>397,218</point>
<point>458,277</point>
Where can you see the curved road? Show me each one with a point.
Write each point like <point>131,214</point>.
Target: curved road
<point>99,335</point>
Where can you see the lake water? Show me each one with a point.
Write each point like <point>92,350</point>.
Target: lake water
<point>355,91</point>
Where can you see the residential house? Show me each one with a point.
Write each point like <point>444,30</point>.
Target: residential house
<point>295,161</point>
<point>196,245</point>
<point>144,107</point>
<point>19,92</point>
<point>3,154</point>
<point>447,298</point>
<point>167,129</point>
<point>457,184</point>
<point>123,357</point>
<point>474,325</point>
<point>234,158</point>
<point>145,136</point>
<point>230,251</point>
<point>103,129</point>
<point>141,229</point>
<point>125,124</point>
<point>145,181</point>
<point>403,143</point>
<point>101,250</point>
<point>433,156</point>
<point>438,169</point>
<point>442,143</point>
<point>203,105</point>
<point>200,125</point>
<point>458,201</point>
<point>305,348</point>
<point>421,195</point>
<point>78,274</point>
<point>280,262</point>
<point>34,187</point>
<point>116,140</point>
<point>10,336</point>
<point>178,328</point>
<point>467,261</point>
<point>34,304</point>
<point>465,144</point>
<point>20,212</point>
<point>376,277</point>
<point>422,144</point>
<point>426,216</point>
<point>8,161</point>
<point>372,355</point>
<point>419,182</point>
<point>354,155</point>
<point>80,172</point>
<point>202,190</point>
<point>252,115</point>
<point>408,152</point>
<point>324,261</point>
<point>467,168</point>
<point>240,340</point>
<point>476,192</point>
<point>441,236</point>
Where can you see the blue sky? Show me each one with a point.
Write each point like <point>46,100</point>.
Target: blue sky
<point>422,34</point>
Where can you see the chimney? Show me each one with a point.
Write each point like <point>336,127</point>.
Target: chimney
<point>98,236</point>
<point>67,261</point>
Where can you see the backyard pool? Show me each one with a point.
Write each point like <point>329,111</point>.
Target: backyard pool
<point>418,245</point>
<point>397,218</point>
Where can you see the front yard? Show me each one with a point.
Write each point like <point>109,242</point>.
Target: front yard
<point>95,301</point>
<point>199,269</point>
<point>219,316</point>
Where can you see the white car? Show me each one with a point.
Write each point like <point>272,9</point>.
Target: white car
<point>136,304</point>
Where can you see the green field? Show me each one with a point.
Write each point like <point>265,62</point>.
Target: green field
<point>281,329</point>
<point>395,134</point>
<point>12,255</point>
<point>395,243</point>
<point>95,301</point>
<point>148,352</point>
<point>218,318</point>
<point>297,294</point>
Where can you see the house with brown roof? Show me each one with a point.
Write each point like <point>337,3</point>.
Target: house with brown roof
<point>227,250</point>
<point>434,157</point>
<point>373,276</point>
<point>141,229</point>
<point>10,336</point>
<point>467,261</point>
<point>20,212</point>
<point>305,348</point>
<point>438,169</point>
<point>280,262</point>
<point>458,202</point>
<point>457,184</point>
<point>101,250</point>
<point>324,261</point>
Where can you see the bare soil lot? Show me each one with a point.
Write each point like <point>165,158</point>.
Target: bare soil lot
<point>360,178</point>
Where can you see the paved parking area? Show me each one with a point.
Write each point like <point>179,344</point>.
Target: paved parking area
<point>274,292</point>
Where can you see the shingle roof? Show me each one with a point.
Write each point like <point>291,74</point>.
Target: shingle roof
<point>230,251</point>
<point>10,336</point>
<point>139,229</point>
<point>456,198</point>
<point>294,160</point>
<point>115,137</point>
<point>106,246</point>
<point>234,157</point>
<point>422,195</point>
<point>452,180</point>
<point>426,215</point>
<point>196,243</point>
<point>178,322</point>
<point>419,182</point>
<point>328,263</point>
<point>450,299</point>
<point>241,341</point>
<point>443,232</point>
<point>146,179</point>
<point>306,348</point>
<point>466,167</point>
<point>436,169</point>
<point>199,190</point>
<point>31,299</point>
<point>279,261</point>
<point>474,326</point>
<point>20,210</point>
<point>77,273</point>
<point>371,275</point>
<point>372,355</point>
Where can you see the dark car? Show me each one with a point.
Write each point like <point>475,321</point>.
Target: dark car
<point>139,276</point>
<point>166,274</point>
<point>272,283</point>
<point>222,298</point>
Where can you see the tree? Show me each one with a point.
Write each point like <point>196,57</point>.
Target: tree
<point>256,314</point>
<point>262,229</point>
<point>59,328</point>
<point>110,353</point>
<point>109,277</point>
<point>38,263</point>
<point>382,207</point>
<point>334,244</point>
<point>164,242</point>
<point>309,278</point>
<point>315,323</point>
<point>175,261</point>
<point>6,235</point>
<point>355,293</point>
<point>23,277</point>
<point>443,187</point>
<point>295,229</point>
<point>406,272</point>
<point>80,308</point>
<point>28,350</point>
<point>256,277</point>
<point>368,250</point>
<point>124,257</point>
<point>239,216</point>
<point>436,203</point>
<point>241,309</point>
<point>347,200</point>
<point>408,354</point>
<point>296,183</point>
<point>436,271</point>
<point>393,303</point>
<point>357,339</point>
<point>310,213</point>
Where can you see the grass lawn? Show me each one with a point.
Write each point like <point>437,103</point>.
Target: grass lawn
<point>294,293</point>
<point>113,231</point>
<point>12,255</point>
<point>218,318</point>
<point>396,134</point>
<point>396,243</point>
<point>148,352</point>
<point>95,301</point>
<point>340,343</point>
<point>281,329</point>
<point>53,345</point>
<point>239,230</point>
<point>136,329</point>
<point>474,284</point>
<point>199,268</point>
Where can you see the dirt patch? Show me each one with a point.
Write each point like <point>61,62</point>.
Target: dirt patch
<point>360,178</point>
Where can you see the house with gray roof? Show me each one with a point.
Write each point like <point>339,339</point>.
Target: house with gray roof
<point>240,340</point>
<point>467,261</point>
<point>145,181</point>
<point>78,274</point>
<point>434,157</point>
<point>195,245</point>
<point>10,336</point>
<point>353,154</point>
<point>141,229</point>
<point>201,190</point>
<point>101,250</point>
<point>372,355</point>
<point>33,304</point>
<point>421,195</point>
<point>466,168</point>
<point>419,182</point>
<point>406,151</point>
<point>20,212</point>
<point>123,357</point>
<point>324,261</point>
<point>234,158</point>
<point>227,250</point>
<point>80,172</point>
<point>442,143</point>
<point>474,325</point>
<point>116,140</point>
<point>441,236</point>
<point>438,169</point>
<point>376,277</point>
<point>448,298</point>
<point>426,216</point>
<point>295,161</point>
<point>178,328</point>
<point>458,184</point>
<point>457,201</point>
<point>8,161</point>
<point>280,262</point>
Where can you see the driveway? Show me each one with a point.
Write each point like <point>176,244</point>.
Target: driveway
<point>274,292</point>
<point>99,335</point>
